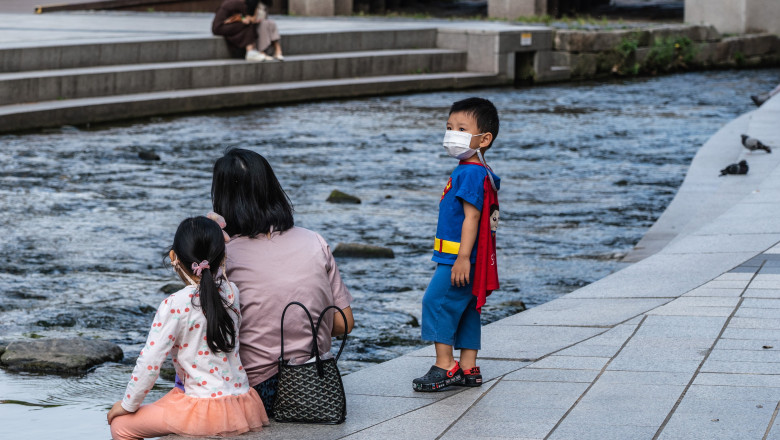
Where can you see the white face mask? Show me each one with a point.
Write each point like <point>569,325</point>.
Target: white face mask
<point>457,144</point>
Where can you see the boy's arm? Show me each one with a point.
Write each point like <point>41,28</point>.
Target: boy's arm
<point>468,235</point>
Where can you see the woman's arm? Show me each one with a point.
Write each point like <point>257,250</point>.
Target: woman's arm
<point>338,322</point>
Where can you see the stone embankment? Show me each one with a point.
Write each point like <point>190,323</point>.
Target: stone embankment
<point>174,69</point>
<point>591,54</point>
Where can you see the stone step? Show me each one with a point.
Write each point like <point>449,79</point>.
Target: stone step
<point>20,87</point>
<point>18,117</point>
<point>88,53</point>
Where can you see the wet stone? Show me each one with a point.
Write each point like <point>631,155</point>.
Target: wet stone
<point>337,196</point>
<point>358,250</point>
<point>59,355</point>
<point>171,288</point>
<point>148,155</point>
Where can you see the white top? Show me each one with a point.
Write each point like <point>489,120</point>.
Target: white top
<point>179,329</point>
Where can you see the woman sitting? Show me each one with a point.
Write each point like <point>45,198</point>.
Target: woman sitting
<point>274,262</point>
<point>247,30</point>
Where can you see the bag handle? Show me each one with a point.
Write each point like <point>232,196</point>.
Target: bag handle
<point>315,351</point>
<point>344,340</point>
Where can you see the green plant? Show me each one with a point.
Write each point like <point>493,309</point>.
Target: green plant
<point>739,58</point>
<point>670,54</point>
<point>626,56</point>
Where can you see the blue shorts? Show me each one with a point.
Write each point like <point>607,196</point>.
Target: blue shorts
<point>449,313</point>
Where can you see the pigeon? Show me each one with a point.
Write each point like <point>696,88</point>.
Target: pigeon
<point>735,168</point>
<point>754,144</point>
<point>759,100</point>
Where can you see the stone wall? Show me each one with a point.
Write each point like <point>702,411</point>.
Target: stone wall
<point>580,54</point>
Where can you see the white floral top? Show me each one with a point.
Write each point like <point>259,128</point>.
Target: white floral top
<point>179,329</point>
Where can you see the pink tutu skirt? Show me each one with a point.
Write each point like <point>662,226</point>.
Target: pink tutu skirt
<point>224,416</point>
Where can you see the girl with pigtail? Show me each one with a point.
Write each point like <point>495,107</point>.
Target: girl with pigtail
<point>198,327</point>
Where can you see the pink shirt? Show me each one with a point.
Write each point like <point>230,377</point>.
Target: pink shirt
<point>295,265</point>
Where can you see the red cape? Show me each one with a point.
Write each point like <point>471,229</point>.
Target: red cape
<point>486,269</point>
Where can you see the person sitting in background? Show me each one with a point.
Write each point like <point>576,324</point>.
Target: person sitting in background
<point>247,30</point>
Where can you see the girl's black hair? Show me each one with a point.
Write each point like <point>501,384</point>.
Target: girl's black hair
<point>245,191</point>
<point>198,239</point>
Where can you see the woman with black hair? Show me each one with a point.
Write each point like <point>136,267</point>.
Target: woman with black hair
<point>273,263</point>
<point>247,30</point>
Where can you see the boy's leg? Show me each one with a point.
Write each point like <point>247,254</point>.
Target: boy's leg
<point>469,340</point>
<point>468,358</point>
<point>444,356</point>
<point>442,308</point>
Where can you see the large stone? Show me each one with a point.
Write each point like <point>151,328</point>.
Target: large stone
<point>59,355</point>
<point>697,33</point>
<point>337,196</point>
<point>358,250</point>
<point>513,9</point>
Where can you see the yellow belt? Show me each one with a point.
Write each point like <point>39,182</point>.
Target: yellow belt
<point>446,247</point>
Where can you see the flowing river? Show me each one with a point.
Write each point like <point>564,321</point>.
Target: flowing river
<point>586,168</point>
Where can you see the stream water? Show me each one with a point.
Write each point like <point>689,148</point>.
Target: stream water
<point>586,168</point>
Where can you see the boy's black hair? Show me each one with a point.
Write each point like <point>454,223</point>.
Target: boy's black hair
<point>198,239</point>
<point>245,191</point>
<point>483,111</point>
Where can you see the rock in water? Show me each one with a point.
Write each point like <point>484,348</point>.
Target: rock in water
<point>339,197</point>
<point>148,155</point>
<point>171,288</point>
<point>357,250</point>
<point>59,355</point>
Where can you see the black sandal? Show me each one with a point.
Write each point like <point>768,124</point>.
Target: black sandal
<point>437,378</point>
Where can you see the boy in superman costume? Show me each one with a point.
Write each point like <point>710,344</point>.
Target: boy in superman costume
<point>464,249</point>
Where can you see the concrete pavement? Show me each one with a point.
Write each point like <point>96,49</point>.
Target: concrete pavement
<point>684,344</point>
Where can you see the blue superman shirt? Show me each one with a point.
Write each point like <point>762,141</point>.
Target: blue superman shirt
<point>466,184</point>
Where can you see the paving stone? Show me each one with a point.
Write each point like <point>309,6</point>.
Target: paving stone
<point>770,270</point>
<point>552,375</point>
<point>759,323</point>
<point>517,409</point>
<point>579,311</point>
<point>530,342</point>
<point>745,355</point>
<point>719,419</point>
<point>762,293</point>
<point>694,301</point>
<point>696,330</point>
<point>730,284</point>
<point>429,421</point>
<point>768,277</point>
<point>644,378</point>
<point>738,380</point>
<point>749,312</point>
<point>710,323</point>
<point>591,350</point>
<point>709,291</point>
<point>733,393</point>
<point>761,303</point>
<point>571,431</point>
<point>714,366</point>
<point>692,311</point>
<point>732,276</point>
<point>764,284</point>
<point>750,333</point>
<point>701,244</point>
<point>747,344</point>
<point>571,363</point>
<point>665,365</point>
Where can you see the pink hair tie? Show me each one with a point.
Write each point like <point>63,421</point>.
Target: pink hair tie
<point>198,268</point>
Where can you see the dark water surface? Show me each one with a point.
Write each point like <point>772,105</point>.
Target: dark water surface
<point>586,169</point>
